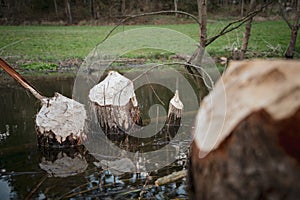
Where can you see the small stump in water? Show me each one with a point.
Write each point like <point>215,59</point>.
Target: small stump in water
<point>60,122</point>
<point>174,114</point>
<point>115,104</point>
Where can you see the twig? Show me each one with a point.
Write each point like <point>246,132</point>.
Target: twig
<point>147,14</point>
<point>179,63</point>
<point>36,187</point>
<point>171,178</point>
<point>81,192</point>
<point>241,21</point>
<point>284,17</point>
<point>160,181</point>
<point>157,96</point>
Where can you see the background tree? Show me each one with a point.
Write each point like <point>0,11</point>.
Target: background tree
<point>290,12</point>
<point>247,32</point>
<point>55,7</point>
<point>68,11</point>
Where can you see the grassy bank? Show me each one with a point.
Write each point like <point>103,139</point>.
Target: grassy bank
<point>29,46</point>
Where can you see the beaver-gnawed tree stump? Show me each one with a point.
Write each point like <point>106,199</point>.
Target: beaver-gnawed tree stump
<point>174,115</point>
<point>115,104</point>
<point>256,154</point>
<point>61,122</point>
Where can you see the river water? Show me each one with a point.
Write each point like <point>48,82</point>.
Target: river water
<point>29,171</point>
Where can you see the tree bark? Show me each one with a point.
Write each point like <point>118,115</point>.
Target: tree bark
<point>247,32</point>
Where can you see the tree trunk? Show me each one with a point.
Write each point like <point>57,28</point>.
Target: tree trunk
<point>196,58</point>
<point>247,32</point>
<point>294,32</point>
<point>175,7</point>
<point>242,8</point>
<point>92,9</point>
<point>250,150</point>
<point>294,29</point>
<point>202,12</point>
<point>55,7</point>
<point>68,11</point>
<point>291,49</point>
<point>123,7</point>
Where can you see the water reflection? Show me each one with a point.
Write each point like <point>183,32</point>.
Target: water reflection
<point>29,171</point>
<point>63,162</point>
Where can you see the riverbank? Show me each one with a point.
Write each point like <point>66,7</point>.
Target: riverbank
<point>63,48</point>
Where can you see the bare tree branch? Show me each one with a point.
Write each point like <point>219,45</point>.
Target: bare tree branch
<point>148,14</point>
<point>283,14</point>
<point>241,21</point>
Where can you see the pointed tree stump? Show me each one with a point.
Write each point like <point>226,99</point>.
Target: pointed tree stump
<point>174,115</point>
<point>256,155</point>
<point>115,104</point>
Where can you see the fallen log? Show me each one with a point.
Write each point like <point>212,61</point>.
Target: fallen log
<point>114,102</point>
<point>60,122</point>
<point>256,154</point>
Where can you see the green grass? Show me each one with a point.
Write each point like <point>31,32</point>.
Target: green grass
<point>39,66</point>
<point>52,44</point>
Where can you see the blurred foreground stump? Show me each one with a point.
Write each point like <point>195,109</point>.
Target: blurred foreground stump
<point>256,154</point>
<point>114,103</point>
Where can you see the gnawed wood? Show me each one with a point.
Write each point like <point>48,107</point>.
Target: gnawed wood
<point>115,104</point>
<point>175,107</point>
<point>250,150</point>
<point>60,122</point>
<point>174,115</point>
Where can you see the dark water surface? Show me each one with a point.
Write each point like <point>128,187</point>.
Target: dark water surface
<point>23,165</point>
